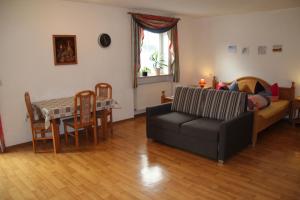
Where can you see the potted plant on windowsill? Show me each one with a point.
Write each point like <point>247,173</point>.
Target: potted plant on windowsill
<point>145,71</point>
<point>158,62</point>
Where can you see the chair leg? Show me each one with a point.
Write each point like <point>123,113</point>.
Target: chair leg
<point>98,125</point>
<point>95,134</point>
<point>33,141</point>
<point>53,140</point>
<point>66,134</point>
<point>76,138</point>
<point>87,133</point>
<point>111,125</point>
<point>34,145</point>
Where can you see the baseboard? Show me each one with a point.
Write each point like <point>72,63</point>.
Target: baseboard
<point>140,115</point>
<point>123,120</point>
<point>140,111</point>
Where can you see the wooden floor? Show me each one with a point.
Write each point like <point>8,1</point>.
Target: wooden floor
<point>128,166</point>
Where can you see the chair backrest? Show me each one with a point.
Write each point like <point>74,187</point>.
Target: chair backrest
<point>103,90</point>
<point>29,107</point>
<point>85,107</point>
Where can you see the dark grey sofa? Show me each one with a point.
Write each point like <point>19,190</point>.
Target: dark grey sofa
<point>211,123</point>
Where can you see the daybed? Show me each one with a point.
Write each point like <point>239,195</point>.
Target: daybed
<point>271,114</point>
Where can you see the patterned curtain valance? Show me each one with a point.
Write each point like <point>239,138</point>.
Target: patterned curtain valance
<point>153,23</point>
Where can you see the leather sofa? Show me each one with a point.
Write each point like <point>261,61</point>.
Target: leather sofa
<point>208,122</point>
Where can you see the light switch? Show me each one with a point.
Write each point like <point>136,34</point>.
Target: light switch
<point>0,83</point>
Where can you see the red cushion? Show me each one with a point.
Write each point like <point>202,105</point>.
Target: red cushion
<point>275,89</point>
<point>220,85</point>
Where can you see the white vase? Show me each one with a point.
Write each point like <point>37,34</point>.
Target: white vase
<point>157,71</point>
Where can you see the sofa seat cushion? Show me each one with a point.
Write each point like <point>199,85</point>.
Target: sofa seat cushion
<point>202,128</point>
<point>171,121</point>
<point>275,108</point>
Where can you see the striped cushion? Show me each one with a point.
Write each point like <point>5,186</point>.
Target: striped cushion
<point>224,105</point>
<point>182,99</point>
<point>189,100</point>
<point>197,103</point>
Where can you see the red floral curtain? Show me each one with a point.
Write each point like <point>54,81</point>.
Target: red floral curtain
<point>137,41</point>
<point>156,24</point>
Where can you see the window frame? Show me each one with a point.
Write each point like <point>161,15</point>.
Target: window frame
<point>155,78</point>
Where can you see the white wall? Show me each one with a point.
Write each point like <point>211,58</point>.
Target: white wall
<point>150,95</point>
<point>26,57</point>
<point>188,38</point>
<point>263,28</point>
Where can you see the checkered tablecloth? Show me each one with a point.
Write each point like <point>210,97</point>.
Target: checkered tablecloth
<point>64,107</point>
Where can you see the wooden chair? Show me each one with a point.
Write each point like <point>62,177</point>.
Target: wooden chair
<point>84,116</point>
<point>37,126</point>
<point>104,90</point>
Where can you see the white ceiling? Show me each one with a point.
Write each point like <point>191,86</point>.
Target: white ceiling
<point>200,7</point>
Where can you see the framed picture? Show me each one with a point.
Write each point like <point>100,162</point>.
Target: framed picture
<point>232,48</point>
<point>262,50</point>
<point>65,50</point>
<point>245,51</point>
<point>277,48</point>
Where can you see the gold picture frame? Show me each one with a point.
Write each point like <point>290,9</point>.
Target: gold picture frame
<point>64,49</point>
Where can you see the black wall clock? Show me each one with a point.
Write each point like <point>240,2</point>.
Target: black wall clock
<point>104,40</point>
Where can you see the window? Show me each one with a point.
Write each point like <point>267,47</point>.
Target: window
<point>155,54</point>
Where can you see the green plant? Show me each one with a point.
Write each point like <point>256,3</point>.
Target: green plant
<point>146,69</point>
<point>157,60</point>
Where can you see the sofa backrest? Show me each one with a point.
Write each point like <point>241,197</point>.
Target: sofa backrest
<point>224,105</point>
<point>214,104</point>
<point>189,100</point>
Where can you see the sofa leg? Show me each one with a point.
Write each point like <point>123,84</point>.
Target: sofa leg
<point>220,162</point>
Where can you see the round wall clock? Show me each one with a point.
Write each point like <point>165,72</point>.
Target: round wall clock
<point>104,40</point>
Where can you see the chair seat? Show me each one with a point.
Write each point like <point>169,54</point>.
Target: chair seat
<point>70,122</point>
<point>100,112</point>
<point>44,138</point>
<point>39,124</point>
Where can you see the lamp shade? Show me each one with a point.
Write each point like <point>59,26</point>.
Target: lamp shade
<point>202,82</point>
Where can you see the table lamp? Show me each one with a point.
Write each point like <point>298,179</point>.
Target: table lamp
<point>202,83</point>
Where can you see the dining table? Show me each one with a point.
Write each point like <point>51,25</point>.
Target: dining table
<point>54,110</point>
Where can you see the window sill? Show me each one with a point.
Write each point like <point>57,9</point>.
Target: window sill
<point>143,80</point>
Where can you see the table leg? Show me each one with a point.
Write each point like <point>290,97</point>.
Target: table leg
<point>55,131</point>
<point>104,123</point>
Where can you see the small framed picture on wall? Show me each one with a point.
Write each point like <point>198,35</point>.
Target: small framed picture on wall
<point>262,50</point>
<point>64,49</point>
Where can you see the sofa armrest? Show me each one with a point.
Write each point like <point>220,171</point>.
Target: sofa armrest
<point>235,135</point>
<point>153,111</point>
<point>159,109</point>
